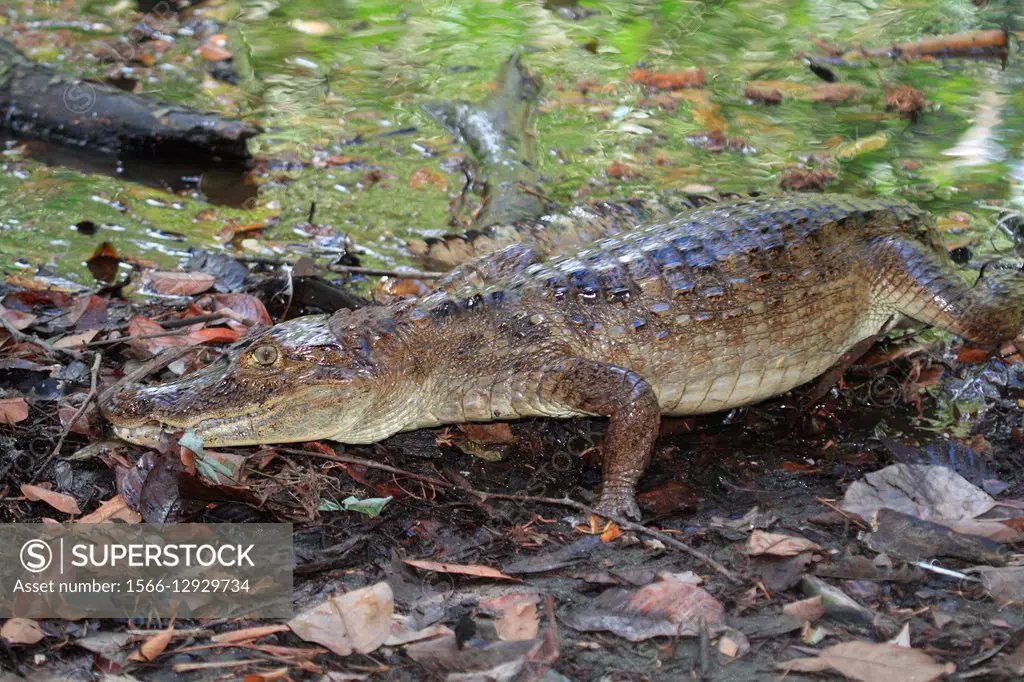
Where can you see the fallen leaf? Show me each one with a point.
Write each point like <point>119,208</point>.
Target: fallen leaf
<point>1005,584</point>
<point>903,638</point>
<point>175,283</point>
<point>220,468</point>
<point>775,544</point>
<point>13,410</point>
<point>993,529</point>
<point>519,619</point>
<point>871,662</point>
<point>668,608</point>
<point>249,310</point>
<point>311,27</point>
<point>424,177</point>
<point>213,335</point>
<point>17,319</point>
<point>809,610</point>
<point>114,508</point>
<point>214,53</point>
<point>459,569</point>
<point>620,171</point>
<point>76,341</point>
<point>154,646</point>
<point>864,145</point>
<point>104,262</point>
<point>357,621</point>
<point>156,337</point>
<point>667,498</point>
<point>81,426</point>
<point>401,634</point>
<point>497,433</point>
<point>921,490</point>
<point>59,501</point>
<point>768,95</point>
<point>733,644</point>
<point>21,631</point>
<point>690,78</point>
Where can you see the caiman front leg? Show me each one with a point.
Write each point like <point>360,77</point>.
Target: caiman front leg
<point>632,409</point>
<point>920,283</point>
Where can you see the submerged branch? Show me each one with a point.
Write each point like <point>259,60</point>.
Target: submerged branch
<point>39,101</point>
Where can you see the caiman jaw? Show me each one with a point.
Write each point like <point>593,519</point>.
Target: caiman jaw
<point>144,434</point>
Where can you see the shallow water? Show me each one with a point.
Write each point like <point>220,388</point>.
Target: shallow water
<point>344,82</point>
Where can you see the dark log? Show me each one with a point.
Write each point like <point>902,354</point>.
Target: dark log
<point>38,101</point>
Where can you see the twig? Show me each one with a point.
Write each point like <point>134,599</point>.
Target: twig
<point>623,523</point>
<point>126,339</point>
<point>22,337</point>
<point>564,502</point>
<point>153,364</point>
<point>369,464</point>
<point>97,358</point>
<point>849,517</point>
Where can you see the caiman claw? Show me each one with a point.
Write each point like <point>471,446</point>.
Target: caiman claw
<point>618,501</point>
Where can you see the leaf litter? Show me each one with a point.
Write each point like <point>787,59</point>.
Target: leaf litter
<point>451,612</point>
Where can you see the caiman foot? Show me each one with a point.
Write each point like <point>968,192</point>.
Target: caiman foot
<point>619,501</point>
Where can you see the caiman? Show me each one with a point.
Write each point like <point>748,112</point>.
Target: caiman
<point>721,306</point>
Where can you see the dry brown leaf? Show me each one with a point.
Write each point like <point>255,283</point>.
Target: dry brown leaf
<point>928,492</point>
<point>154,646</point>
<point>620,171</point>
<point>518,619</point>
<point>460,569</point>
<point>690,78</point>
<point>114,508</point>
<point>775,544</point>
<point>21,631</point>
<point>76,341</point>
<point>249,309</point>
<point>497,433</point>
<point>13,410</point>
<point>1005,584</point>
<point>140,326</point>
<point>667,608</point>
<point>17,319</point>
<point>59,501</point>
<point>176,283</point>
<point>357,621</point>
<point>871,662</point>
<point>424,177</point>
<point>214,53</point>
<point>809,610</point>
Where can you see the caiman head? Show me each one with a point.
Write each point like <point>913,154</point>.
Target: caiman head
<point>293,382</point>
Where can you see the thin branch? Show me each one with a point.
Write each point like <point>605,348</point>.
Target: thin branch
<point>152,365</point>
<point>623,523</point>
<point>97,358</point>
<point>22,337</point>
<point>564,502</point>
<point>369,464</point>
<point>140,337</point>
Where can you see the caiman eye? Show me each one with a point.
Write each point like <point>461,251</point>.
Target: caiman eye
<point>265,355</point>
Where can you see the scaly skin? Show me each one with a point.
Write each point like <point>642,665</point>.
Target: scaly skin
<point>722,306</point>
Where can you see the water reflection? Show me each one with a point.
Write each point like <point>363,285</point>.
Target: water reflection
<point>220,183</point>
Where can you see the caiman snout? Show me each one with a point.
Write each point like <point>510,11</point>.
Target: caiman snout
<point>139,413</point>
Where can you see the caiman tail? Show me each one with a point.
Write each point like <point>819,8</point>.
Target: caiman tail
<point>497,132</point>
